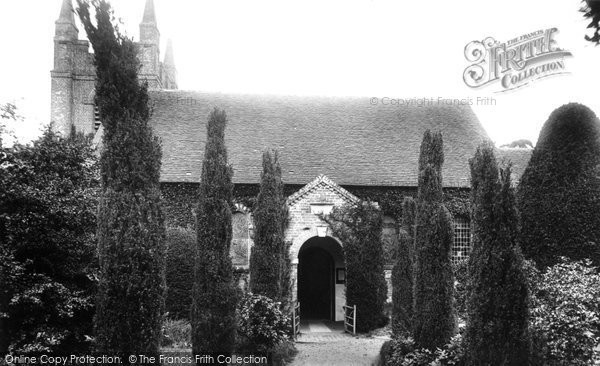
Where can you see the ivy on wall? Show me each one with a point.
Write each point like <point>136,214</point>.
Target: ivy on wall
<point>179,199</point>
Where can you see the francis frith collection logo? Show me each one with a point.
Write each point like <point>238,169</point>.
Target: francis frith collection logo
<point>516,62</point>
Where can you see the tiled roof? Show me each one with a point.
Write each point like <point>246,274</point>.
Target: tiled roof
<point>347,139</point>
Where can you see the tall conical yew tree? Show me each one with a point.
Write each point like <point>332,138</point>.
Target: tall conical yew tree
<point>131,230</point>
<point>270,251</point>
<point>215,294</point>
<point>402,274</point>
<point>434,315</point>
<point>497,305</point>
<point>559,193</point>
<point>358,225</point>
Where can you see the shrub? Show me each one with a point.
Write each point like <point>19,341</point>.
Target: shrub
<point>262,323</point>
<point>131,230</point>
<point>497,305</point>
<point>269,256</point>
<point>358,226</point>
<point>566,313</point>
<point>48,202</point>
<point>215,294</point>
<point>176,334</point>
<point>283,353</point>
<point>181,244</point>
<point>434,318</point>
<point>401,351</point>
<point>559,192</point>
<point>402,274</point>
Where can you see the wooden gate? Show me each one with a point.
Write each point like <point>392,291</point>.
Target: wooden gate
<point>350,319</point>
<point>296,320</point>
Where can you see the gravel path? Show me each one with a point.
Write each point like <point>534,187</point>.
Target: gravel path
<point>337,349</point>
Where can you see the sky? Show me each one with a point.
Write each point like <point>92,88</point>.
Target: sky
<point>371,48</point>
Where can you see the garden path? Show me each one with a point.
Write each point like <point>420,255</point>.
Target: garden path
<point>325,343</point>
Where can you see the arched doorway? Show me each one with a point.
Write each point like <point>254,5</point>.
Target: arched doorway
<point>318,259</point>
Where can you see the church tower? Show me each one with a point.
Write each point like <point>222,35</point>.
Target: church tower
<point>149,48</point>
<point>73,76</point>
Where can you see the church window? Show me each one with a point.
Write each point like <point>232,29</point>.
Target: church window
<point>462,239</point>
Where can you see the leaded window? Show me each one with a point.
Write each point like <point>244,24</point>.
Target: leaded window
<point>462,239</point>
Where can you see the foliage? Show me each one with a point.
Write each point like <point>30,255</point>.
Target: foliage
<point>497,306</point>
<point>181,244</point>
<point>559,192</point>
<point>283,353</point>
<point>131,231</point>
<point>401,351</point>
<point>566,313</point>
<point>8,114</point>
<point>262,323</point>
<point>358,226</point>
<point>402,274</point>
<point>176,334</point>
<point>270,251</point>
<point>48,197</point>
<point>215,294</point>
<point>434,317</point>
<point>591,11</point>
<point>461,278</point>
<point>178,200</point>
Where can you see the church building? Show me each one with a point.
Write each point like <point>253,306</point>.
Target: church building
<point>333,150</point>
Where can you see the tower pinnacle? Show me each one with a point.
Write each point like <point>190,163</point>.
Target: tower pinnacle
<point>169,71</point>
<point>65,24</point>
<point>66,13</point>
<point>149,14</point>
<point>169,59</point>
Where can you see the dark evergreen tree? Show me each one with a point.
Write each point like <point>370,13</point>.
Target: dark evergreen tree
<point>402,274</point>
<point>131,231</point>
<point>269,256</point>
<point>181,244</point>
<point>358,226</point>
<point>591,11</point>
<point>434,315</point>
<point>215,294</point>
<point>559,192</point>
<point>497,327</point>
<point>48,202</point>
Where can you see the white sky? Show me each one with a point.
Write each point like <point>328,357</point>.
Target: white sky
<point>376,48</point>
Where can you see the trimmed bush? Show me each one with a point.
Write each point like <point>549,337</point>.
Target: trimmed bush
<point>402,274</point>
<point>131,231</point>
<point>262,323</point>
<point>434,317</point>
<point>559,193</point>
<point>48,202</point>
<point>497,305</point>
<point>566,313</point>
<point>270,254</point>
<point>215,293</point>
<point>358,226</point>
<point>181,244</point>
